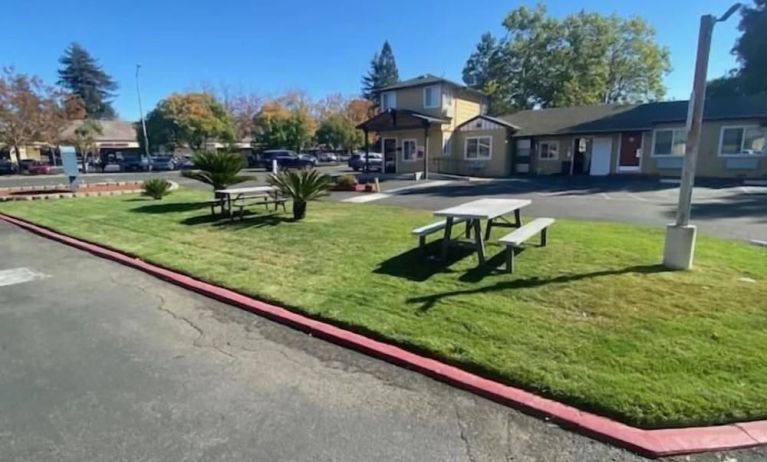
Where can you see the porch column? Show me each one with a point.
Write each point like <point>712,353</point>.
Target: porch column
<point>367,151</point>
<point>426,152</point>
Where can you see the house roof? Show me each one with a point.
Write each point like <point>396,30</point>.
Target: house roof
<point>112,130</point>
<point>393,120</point>
<point>427,79</point>
<point>616,117</point>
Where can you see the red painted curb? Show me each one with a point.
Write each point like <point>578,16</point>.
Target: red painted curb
<point>651,443</point>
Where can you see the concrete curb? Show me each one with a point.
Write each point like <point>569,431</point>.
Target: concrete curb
<point>651,443</point>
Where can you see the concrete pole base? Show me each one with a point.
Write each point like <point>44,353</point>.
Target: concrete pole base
<point>680,247</point>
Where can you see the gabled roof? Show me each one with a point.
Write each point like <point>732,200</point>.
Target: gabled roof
<point>393,118</point>
<point>616,117</point>
<point>428,79</point>
<point>494,120</point>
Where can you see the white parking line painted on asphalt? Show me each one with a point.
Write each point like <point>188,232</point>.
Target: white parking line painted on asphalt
<point>13,276</point>
<point>604,196</point>
<point>392,192</point>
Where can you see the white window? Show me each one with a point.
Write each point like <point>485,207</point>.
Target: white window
<point>408,149</point>
<point>388,100</point>
<point>669,142</point>
<point>548,150</point>
<point>742,141</point>
<point>431,97</point>
<point>478,147</point>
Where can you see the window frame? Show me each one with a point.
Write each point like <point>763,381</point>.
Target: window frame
<point>539,151</point>
<point>414,157</point>
<point>478,138</point>
<point>393,105</point>
<point>667,129</point>
<point>437,100</point>
<point>742,141</point>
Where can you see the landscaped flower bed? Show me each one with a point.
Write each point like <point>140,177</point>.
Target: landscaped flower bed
<point>592,319</point>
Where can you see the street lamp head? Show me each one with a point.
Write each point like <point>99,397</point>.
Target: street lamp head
<point>729,12</point>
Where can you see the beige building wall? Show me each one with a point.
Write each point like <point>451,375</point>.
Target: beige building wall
<point>416,165</point>
<point>499,164</point>
<point>467,106</point>
<point>710,163</point>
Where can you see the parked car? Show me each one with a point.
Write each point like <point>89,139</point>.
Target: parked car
<point>136,164</point>
<point>327,157</point>
<point>285,159</point>
<point>184,163</point>
<point>309,158</point>
<point>39,168</point>
<point>25,164</point>
<point>7,167</point>
<point>375,161</point>
<point>163,163</point>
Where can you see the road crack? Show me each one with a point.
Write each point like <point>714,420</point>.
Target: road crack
<point>462,433</point>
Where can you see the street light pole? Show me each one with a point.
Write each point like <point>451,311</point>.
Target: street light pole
<point>141,113</point>
<point>680,237</point>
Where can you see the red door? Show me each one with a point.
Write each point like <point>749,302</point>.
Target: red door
<point>631,149</point>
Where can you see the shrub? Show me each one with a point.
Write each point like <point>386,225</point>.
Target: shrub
<point>346,181</point>
<point>156,188</point>
<point>218,169</point>
<point>302,186</point>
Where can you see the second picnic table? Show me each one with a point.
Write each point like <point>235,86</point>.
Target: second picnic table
<point>232,194</point>
<point>473,212</point>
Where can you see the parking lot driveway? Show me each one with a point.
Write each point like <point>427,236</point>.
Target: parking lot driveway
<point>720,208</point>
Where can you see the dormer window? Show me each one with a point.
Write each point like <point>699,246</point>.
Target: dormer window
<point>388,100</point>
<point>432,97</point>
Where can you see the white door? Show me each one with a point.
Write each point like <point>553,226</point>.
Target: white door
<point>601,151</point>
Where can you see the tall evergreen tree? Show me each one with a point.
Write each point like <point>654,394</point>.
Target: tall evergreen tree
<point>476,72</point>
<point>83,76</point>
<point>383,72</point>
<point>751,51</point>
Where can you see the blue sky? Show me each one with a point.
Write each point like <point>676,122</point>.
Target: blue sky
<point>321,47</point>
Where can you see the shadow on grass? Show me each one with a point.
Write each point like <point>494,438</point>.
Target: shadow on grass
<point>428,301</point>
<point>170,207</point>
<point>417,265</point>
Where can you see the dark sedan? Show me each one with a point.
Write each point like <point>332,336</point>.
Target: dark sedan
<point>285,159</point>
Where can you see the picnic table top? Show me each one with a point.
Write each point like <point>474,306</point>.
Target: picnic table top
<point>246,190</point>
<point>483,208</point>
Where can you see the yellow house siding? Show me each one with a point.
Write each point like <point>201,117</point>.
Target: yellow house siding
<point>416,165</point>
<point>466,107</point>
<point>499,164</point>
<point>710,163</point>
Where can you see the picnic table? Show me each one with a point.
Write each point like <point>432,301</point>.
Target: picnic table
<point>233,194</point>
<point>492,210</point>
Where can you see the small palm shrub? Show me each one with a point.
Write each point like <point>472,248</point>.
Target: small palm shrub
<point>218,169</point>
<point>156,188</point>
<point>302,186</point>
<point>346,182</point>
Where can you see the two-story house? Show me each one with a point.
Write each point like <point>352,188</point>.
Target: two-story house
<point>417,123</point>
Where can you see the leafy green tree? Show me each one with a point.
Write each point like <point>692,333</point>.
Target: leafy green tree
<point>585,58</point>
<point>188,118</point>
<point>83,76</point>
<point>750,77</point>
<point>476,72</point>
<point>284,124</point>
<point>337,132</point>
<point>383,71</point>
<point>30,111</point>
<point>84,139</point>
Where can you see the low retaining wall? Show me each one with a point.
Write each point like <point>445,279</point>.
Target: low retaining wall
<point>62,191</point>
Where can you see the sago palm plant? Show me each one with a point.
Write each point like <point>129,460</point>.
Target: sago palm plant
<point>302,186</point>
<point>218,169</point>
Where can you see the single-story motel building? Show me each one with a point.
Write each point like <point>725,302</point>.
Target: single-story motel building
<point>431,119</point>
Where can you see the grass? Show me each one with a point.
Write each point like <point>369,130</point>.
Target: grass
<point>591,319</point>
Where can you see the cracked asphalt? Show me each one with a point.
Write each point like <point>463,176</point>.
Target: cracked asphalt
<point>101,362</point>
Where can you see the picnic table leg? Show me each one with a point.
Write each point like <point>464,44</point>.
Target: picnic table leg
<point>446,239</point>
<point>518,218</point>
<point>468,229</point>
<point>479,241</point>
<point>488,229</point>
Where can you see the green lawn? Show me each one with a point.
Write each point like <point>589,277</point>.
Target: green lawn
<point>591,319</point>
